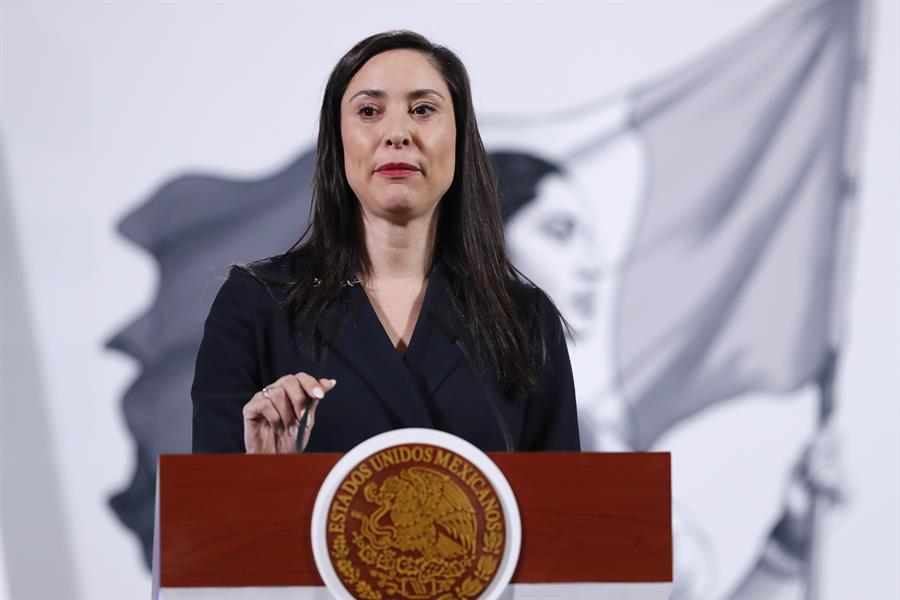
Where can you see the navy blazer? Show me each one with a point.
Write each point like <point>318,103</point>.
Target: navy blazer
<point>250,342</point>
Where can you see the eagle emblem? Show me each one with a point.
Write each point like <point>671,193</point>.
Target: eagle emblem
<point>420,510</point>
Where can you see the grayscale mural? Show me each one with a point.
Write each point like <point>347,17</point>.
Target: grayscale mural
<point>691,230</point>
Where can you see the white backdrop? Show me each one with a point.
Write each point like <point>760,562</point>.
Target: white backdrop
<point>101,102</point>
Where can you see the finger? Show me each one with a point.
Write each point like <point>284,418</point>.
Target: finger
<point>258,432</point>
<point>285,441</point>
<point>256,410</point>
<point>311,386</point>
<point>295,393</point>
<point>262,409</point>
<point>282,405</point>
<point>259,438</point>
<point>315,391</point>
<point>250,410</point>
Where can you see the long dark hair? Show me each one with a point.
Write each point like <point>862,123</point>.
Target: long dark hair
<point>470,240</point>
<point>518,176</point>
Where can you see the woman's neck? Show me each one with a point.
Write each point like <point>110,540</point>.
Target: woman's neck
<point>399,251</point>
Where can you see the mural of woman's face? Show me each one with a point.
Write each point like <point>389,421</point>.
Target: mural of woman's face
<point>550,239</point>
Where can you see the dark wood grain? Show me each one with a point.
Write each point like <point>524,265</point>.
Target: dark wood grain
<point>231,520</point>
<point>599,517</point>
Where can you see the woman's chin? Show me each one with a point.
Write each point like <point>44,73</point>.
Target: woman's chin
<point>398,205</point>
<point>402,207</point>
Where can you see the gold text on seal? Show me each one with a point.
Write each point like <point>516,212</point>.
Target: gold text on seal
<point>415,522</point>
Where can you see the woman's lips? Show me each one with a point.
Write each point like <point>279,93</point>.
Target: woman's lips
<point>584,302</point>
<point>397,169</point>
<point>396,172</point>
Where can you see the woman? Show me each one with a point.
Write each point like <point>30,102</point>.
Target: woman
<point>549,235</point>
<point>365,324</point>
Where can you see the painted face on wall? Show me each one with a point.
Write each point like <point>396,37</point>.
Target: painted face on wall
<point>550,239</point>
<point>399,136</point>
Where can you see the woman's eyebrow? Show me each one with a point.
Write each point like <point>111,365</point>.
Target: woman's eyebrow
<point>420,93</point>
<point>415,94</point>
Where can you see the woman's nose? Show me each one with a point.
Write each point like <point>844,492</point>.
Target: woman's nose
<point>396,130</point>
<point>589,270</point>
<point>589,266</point>
<point>397,141</point>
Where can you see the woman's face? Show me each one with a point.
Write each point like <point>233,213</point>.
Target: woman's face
<point>550,240</point>
<point>397,109</point>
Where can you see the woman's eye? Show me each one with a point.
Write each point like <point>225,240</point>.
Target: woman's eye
<point>428,109</point>
<point>560,229</point>
<point>366,111</point>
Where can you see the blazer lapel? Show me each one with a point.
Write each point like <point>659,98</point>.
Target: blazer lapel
<point>432,357</point>
<point>365,349</point>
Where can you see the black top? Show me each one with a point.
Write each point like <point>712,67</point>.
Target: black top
<point>249,342</point>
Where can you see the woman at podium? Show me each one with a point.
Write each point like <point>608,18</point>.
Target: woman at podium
<point>398,306</point>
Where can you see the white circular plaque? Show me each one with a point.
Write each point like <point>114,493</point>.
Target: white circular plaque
<point>419,458</point>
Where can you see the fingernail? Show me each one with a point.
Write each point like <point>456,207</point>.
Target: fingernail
<point>318,393</point>
<point>294,429</point>
<point>333,382</point>
<point>279,430</point>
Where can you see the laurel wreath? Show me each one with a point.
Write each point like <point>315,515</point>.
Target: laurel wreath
<point>388,566</point>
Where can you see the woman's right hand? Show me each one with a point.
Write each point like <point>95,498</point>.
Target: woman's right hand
<point>272,416</point>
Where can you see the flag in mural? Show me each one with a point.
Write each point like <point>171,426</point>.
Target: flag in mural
<point>667,223</point>
<point>194,227</point>
<point>730,282</point>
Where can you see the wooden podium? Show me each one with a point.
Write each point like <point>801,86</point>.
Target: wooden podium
<point>594,525</point>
